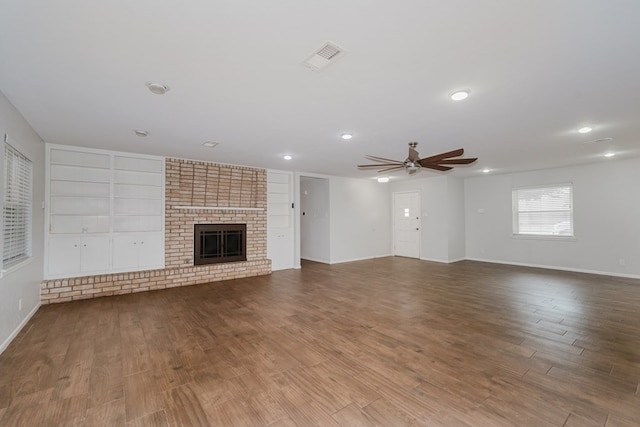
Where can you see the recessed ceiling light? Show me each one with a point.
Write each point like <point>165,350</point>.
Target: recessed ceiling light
<point>287,157</point>
<point>585,129</point>
<point>459,95</point>
<point>157,88</point>
<point>210,144</point>
<point>383,179</point>
<point>486,170</point>
<point>346,136</point>
<point>141,133</point>
<point>610,154</point>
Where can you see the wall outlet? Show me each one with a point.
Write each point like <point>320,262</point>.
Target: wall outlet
<point>622,262</point>
<point>20,304</point>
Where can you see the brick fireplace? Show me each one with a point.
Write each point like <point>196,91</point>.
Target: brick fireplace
<point>195,193</point>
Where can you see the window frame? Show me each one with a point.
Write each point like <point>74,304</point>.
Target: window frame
<point>515,214</point>
<point>23,204</point>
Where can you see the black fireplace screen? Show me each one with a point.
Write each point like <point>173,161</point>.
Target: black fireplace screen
<point>219,243</point>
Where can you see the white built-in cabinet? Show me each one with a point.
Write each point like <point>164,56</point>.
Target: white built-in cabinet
<point>78,254</point>
<point>104,212</point>
<point>280,243</point>
<point>137,251</point>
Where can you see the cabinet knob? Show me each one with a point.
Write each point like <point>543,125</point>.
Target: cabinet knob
<point>75,246</point>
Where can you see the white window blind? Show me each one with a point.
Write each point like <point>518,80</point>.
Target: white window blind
<point>17,207</point>
<point>543,211</point>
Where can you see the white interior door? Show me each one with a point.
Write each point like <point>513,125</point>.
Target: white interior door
<point>280,219</point>
<point>406,224</point>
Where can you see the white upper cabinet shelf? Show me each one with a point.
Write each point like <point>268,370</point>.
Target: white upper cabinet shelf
<point>71,157</point>
<point>138,194</point>
<point>79,191</point>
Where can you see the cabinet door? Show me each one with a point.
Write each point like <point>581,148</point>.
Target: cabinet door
<point>151,250</point>
<point>280,248</point>
<point>280,245</point>
<point>125,252</point>
<point>64,255</point>
<point>95,253</point>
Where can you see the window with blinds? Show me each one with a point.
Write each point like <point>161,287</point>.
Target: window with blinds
<point>17,207</point>
<point>543,211</point>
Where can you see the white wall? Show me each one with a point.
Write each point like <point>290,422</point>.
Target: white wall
<point>360,219</point>
<point>314,219</point>
<point>455,219</point>
<point>23,284</point>
<point>606,219</point>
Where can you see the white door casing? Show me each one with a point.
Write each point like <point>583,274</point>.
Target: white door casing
<point>406,224</point>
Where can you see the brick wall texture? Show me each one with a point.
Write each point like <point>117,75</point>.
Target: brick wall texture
<point>194,184</point>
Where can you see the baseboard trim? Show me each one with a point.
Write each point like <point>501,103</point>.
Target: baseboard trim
<point>443,261</point>
<point>15,333</point>
<point>553,267</point>
<point>359,259</point>
<point>321,261</point>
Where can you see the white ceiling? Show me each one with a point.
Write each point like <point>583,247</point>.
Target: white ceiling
<point>538,71</point>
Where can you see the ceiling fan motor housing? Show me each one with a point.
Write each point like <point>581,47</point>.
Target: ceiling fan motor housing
<point>413,163</point>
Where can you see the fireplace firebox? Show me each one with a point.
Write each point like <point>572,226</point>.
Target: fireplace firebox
<point>214,243</point>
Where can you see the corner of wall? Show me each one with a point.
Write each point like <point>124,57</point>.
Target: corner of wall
<point>22,287</point>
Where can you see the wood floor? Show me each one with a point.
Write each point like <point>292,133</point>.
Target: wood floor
<point>387,342</point>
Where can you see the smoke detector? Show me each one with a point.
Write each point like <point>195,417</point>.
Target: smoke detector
<point>323,56</point>
<point>157,88</point>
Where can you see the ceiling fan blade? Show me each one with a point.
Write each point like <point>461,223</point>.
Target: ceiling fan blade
<point>437,167</point>
<point>380,165</point>
<point>438,157</point>
<point>413,155</point>
<point>391,169</point>
<point>382,159</point>
<point>456,161</point>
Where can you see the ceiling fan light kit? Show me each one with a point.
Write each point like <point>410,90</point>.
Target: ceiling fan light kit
<point>413,163</point>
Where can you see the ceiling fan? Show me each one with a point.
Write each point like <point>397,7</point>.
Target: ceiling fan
<point>413,163</point>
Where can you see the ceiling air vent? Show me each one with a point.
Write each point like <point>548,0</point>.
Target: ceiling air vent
<point>327,54</point>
